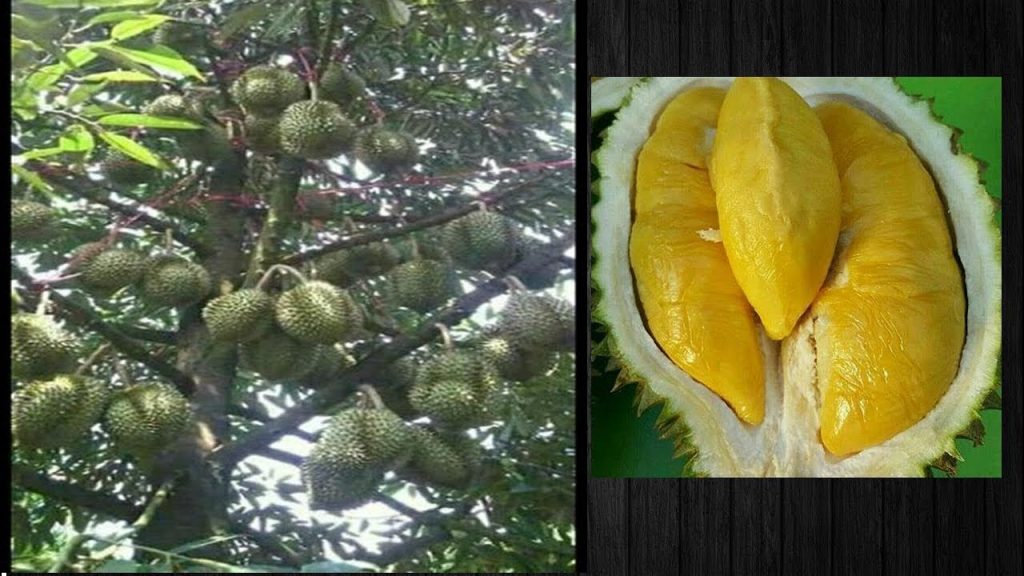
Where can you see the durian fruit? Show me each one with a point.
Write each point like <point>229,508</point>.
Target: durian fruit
<point>839,398</point>
<point>455,387</point>
<point>179,36</point>
<point>516,363</point>
<point>315,130</point>
<point>208,145</point>
<point>175,106</point>
<point>31,220</point>
<point>239,316</point>
<point>317,312</point>
<point>343,267</point>
<point>395,381</point>
<point>174,281</point>
<point>82,254</point>
<point>266,90</point>
<point>538,322</point>
<point>332,360</point>
<point>40,348</point>
<point>145,418</point>
<point>349,460</point>
<point>386,151</point>
<point>435,461</point>
<point>482,240</point>
<point>278,356</point>
<point>340,85</point>
<point>57,412</point>
<point>112,270</point>
<point>262,134</point>
<point>421,285</point>
<point>123,170</point>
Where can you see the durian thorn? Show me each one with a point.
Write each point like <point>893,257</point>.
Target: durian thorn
<point>370,393</point>
<point>445,336</point>
<point>96,355</point>
<point>514,284</point>
<point>44,302</point>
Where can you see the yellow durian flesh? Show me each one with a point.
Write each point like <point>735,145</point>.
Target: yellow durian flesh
<point>692,304</point>
<point>778,199</point>
<point>889,325</point>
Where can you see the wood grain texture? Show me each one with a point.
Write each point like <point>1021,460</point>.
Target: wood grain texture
<point>817,527</point>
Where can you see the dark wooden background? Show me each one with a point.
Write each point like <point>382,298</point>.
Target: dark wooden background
<point>818,527</point>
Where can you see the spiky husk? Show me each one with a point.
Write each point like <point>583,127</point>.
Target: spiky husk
<point>332,360</point>
<point>979,252</point>
<point>262,134</point>
<point>146,418</point>
<point>482,241</point>
<point>386,151</point>
<point>341,85</point>
<point>40,348</point>
<point>31,220</point>
<point>435,461</point>
<point>515,363</point>
<point>266,90</point>
<point>174,281</point>
<point>421,285</point>
<point>240,316</point>
<point>538,322</point>
<point>455,388</point>
<point>316,312</point>
<point>175,106</point>
<point>315,130</point>
<point>278,356</point>
<point>57,412</point>
<point>122,170</point>
<point>112,270</point>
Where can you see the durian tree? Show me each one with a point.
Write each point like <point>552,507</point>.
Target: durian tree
<point>292,285</point>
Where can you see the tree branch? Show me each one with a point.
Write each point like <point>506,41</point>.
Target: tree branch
<point>147,334</point>
<point>378,360</point>
<point>73,495</point>
<point>418,224</point>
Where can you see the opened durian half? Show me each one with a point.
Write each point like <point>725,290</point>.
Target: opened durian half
<point>805,272</point>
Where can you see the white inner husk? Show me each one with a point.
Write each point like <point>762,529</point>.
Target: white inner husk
<point>787,442</point>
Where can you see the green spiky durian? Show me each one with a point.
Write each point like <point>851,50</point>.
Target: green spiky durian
<point>180,36</point>
<point>126,171</point>
<point>482,241</point>
<point>538,322</point>
<point>455,387</point>
<point>386,151</point>
<point>435,461</point>
<point>315,130</point>
<point>40,348</point>
<point>316,312</point>
<point>112,270</point>
<point>421,285</point>
<point>174,281</point>
<point>278,356</point>
<point>31,220</point>
<point>146,418</point>
<point>360,438</point>
<point>373,259</point>
<point>262,134</point>
<point>266,90</point>
<point>332,360</point>
<point>515,363</point>
<point>340,85</point>
<point>175,106</point>
<point>57,412</point>
<point>240,316</point>
<point>332,486</point>
<point>395,381</point>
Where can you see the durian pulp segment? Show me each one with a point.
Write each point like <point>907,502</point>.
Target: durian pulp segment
<point>777,193</point>
<point>694,308</point>
<point>890,324</point>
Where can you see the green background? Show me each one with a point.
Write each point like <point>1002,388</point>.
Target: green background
<point>623,445</point>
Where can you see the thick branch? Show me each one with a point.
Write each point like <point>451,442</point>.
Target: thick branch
<point>147,334</point>
<point>370,366</point>
<point>73,495</point>
<point>396,231</point>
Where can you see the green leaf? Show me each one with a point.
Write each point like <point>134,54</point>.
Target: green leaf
<point>108,17</point>
<point>136,26</point>
<point>242,19</point>
<point>160,58</point>
<point>32,179</point>
<point>77,139</point>
<point>148,121</point>
<point>77,4</point>
<point>120,76</point>
<point>133,149</point>
<point>118,567</point>
<point>37,153</point>
<point>83,92</point>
